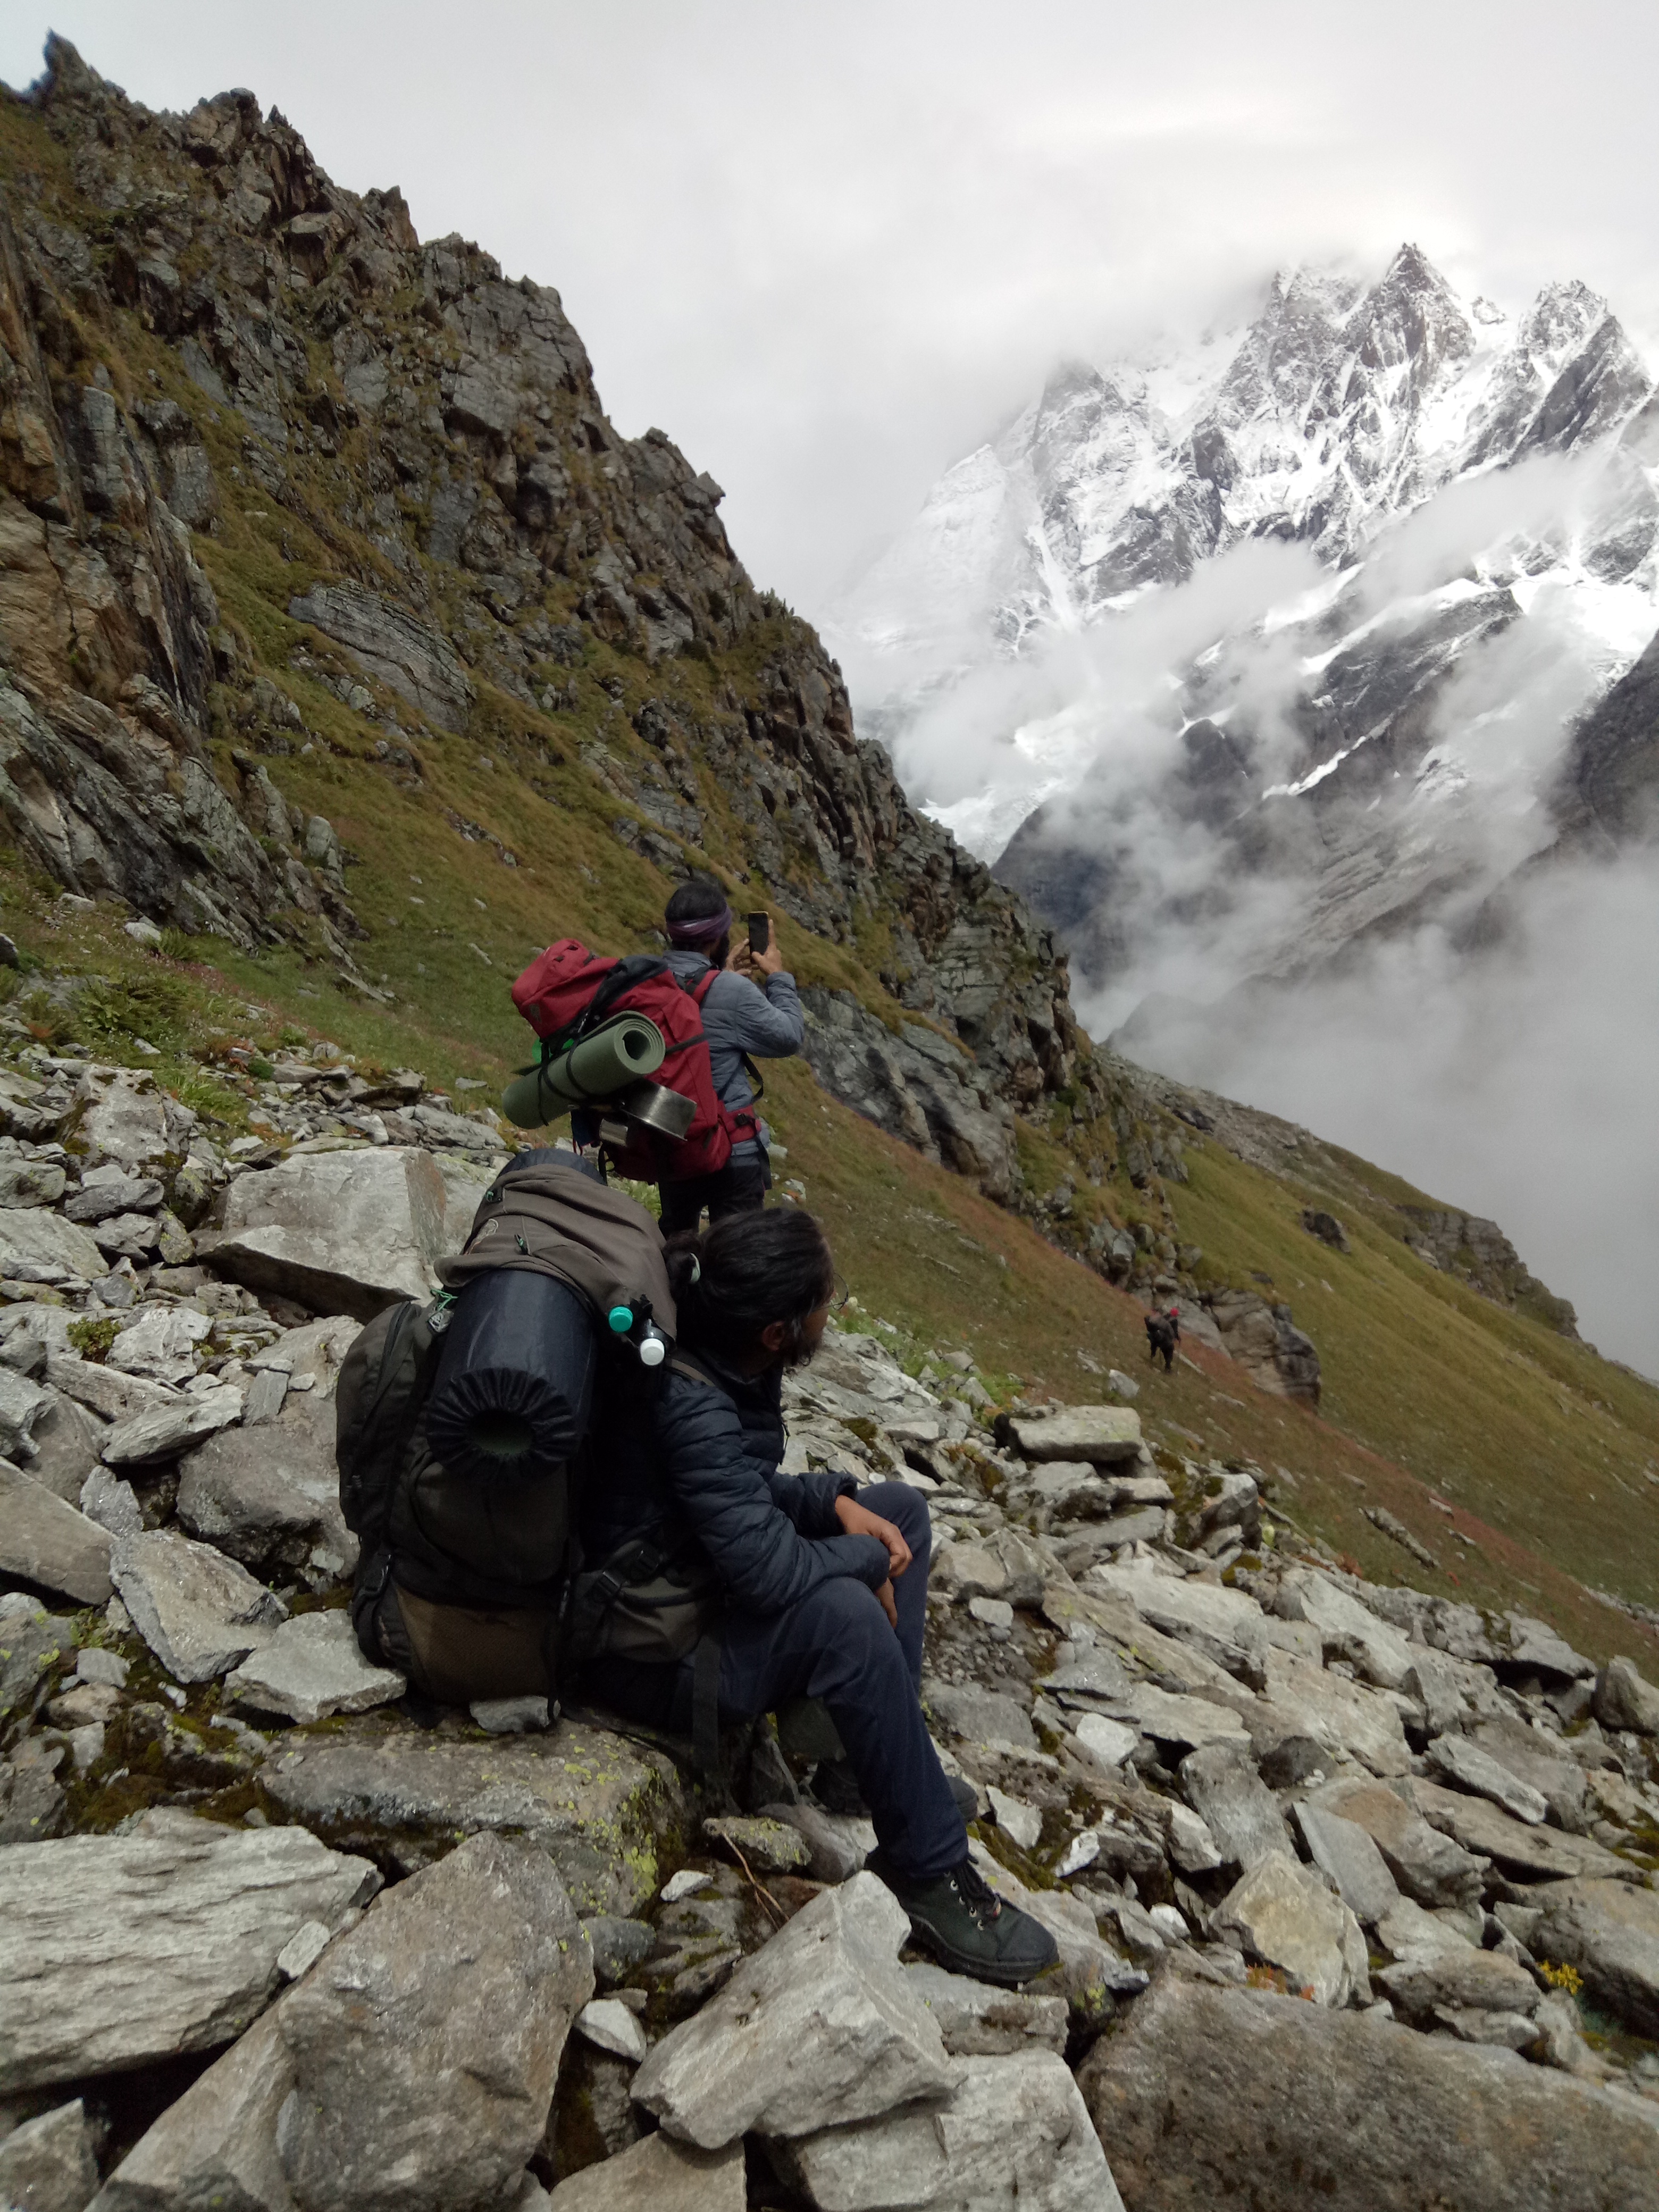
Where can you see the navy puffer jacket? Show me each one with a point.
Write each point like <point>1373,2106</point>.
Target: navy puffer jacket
<point>714,1448</point>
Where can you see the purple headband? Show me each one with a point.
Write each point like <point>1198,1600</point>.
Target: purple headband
<point>708,929</point>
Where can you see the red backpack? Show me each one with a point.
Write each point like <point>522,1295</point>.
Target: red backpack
<point>567,991</point>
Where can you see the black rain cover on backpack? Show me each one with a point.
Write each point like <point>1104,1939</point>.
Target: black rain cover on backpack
<point>494,1528</point>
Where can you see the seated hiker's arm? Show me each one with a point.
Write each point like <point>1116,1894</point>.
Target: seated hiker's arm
<point>763,1560</point>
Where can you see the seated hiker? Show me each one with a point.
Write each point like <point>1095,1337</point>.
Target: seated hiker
<point>822,1589</point>
<point>751,1006</point>
<point>1162,1332</point>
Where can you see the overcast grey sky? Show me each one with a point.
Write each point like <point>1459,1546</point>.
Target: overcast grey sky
<point>828,248</point>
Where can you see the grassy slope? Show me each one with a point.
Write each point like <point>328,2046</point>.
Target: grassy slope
<point>1543,1450</point>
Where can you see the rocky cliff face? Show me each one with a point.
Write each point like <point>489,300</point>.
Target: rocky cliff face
<point>201,329</point>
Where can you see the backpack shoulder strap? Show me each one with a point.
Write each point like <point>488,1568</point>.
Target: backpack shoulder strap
<point>682,1363</point>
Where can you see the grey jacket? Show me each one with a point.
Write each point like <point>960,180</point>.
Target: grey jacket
<point>739,1017</point>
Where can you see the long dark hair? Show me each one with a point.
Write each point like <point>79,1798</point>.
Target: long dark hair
<point>733,1278</point>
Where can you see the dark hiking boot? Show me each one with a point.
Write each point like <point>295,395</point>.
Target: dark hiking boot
<point>835,1787</point>
<point>968,1928</point>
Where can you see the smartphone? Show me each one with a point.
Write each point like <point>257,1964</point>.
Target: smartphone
<point>760,932</point>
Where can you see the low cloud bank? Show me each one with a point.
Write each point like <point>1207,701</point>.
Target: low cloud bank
<point>1521,1084</point>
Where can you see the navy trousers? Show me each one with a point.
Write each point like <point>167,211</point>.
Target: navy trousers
<point>838,1645</point>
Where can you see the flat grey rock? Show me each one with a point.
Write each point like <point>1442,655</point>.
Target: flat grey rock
<point>1429,1866</point>
<point>199,1613</point>
<point>619,1945</point>
<point>38,1247</point>
<point>1090,1966</point>
<point>48,1543</point>
<point>1282,1914</point>
<point>1228,1795</point>
<point>980,1715</point>
<point>979,2021</point>
<point>837,1843</point>
<point>117,1951</point>
<point>1462,1978</point>
<point>599,1805</point>
<point>160,1343</point>
<point>166,1431</point>
<point>1476,1771</point>
<point>817,2029</point>
<point>658,2174</point>
<point>47,2164</point>
<point>342,1232</point>
<point>1346,1720</point>
<point>426,2041</point>
<point>1102,1435</point>
<point>1372,2115</point>
<point>112,1396</point>
<point>1015,2130</point>
<point>1347,1630</point>
<point>312,1667</point>
<point>22,1403</point>
<point>1527,1852</point>
<point>112,1503</point>
<point>67,1441</point>
<point>1186,1722</point>
<point>1344,1850</point>
<point>1226,1625</point>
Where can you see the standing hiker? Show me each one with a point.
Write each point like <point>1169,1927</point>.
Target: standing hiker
<point>750,1005</point>
<point>1162,1335</point>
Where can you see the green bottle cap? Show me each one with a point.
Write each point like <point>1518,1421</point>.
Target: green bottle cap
<point>621,1318</point>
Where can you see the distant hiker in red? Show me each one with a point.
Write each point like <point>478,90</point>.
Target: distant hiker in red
<point>1162,1335</point>
<point>752,1007</point>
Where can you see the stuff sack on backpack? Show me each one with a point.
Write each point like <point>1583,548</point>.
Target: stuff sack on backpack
<point>564,994</point>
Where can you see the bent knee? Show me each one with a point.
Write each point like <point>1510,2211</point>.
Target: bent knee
<point>907,1510</point>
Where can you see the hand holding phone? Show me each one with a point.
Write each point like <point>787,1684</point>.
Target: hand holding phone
<point>760,932</point>
<point>761,956</point>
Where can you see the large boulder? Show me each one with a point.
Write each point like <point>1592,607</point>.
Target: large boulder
<point>341,1232</point>
<point>1347,1630</point>
<point>1016,2132</point>
<point>1429,1867</point>
<point>1609,1930</point>
<point>123,1121</point>
<point>1226,1625</point>
<point>1237,1807</point>
<point>116,1951</point>
<point>1625,1700</point>
<point>599,1805</point>
<point>148,1438</point>
<point>1361,2114</point>
<point>46,1542</point>
<point>199,1613</point>
<point>32,1641</point>
<point>269,1496</point>
<point>1342,1849</point>
<point>425,2043</point>
<point>817,2029</point>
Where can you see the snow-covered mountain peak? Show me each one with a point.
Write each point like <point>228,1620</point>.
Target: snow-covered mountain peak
<point>1131,569</point>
